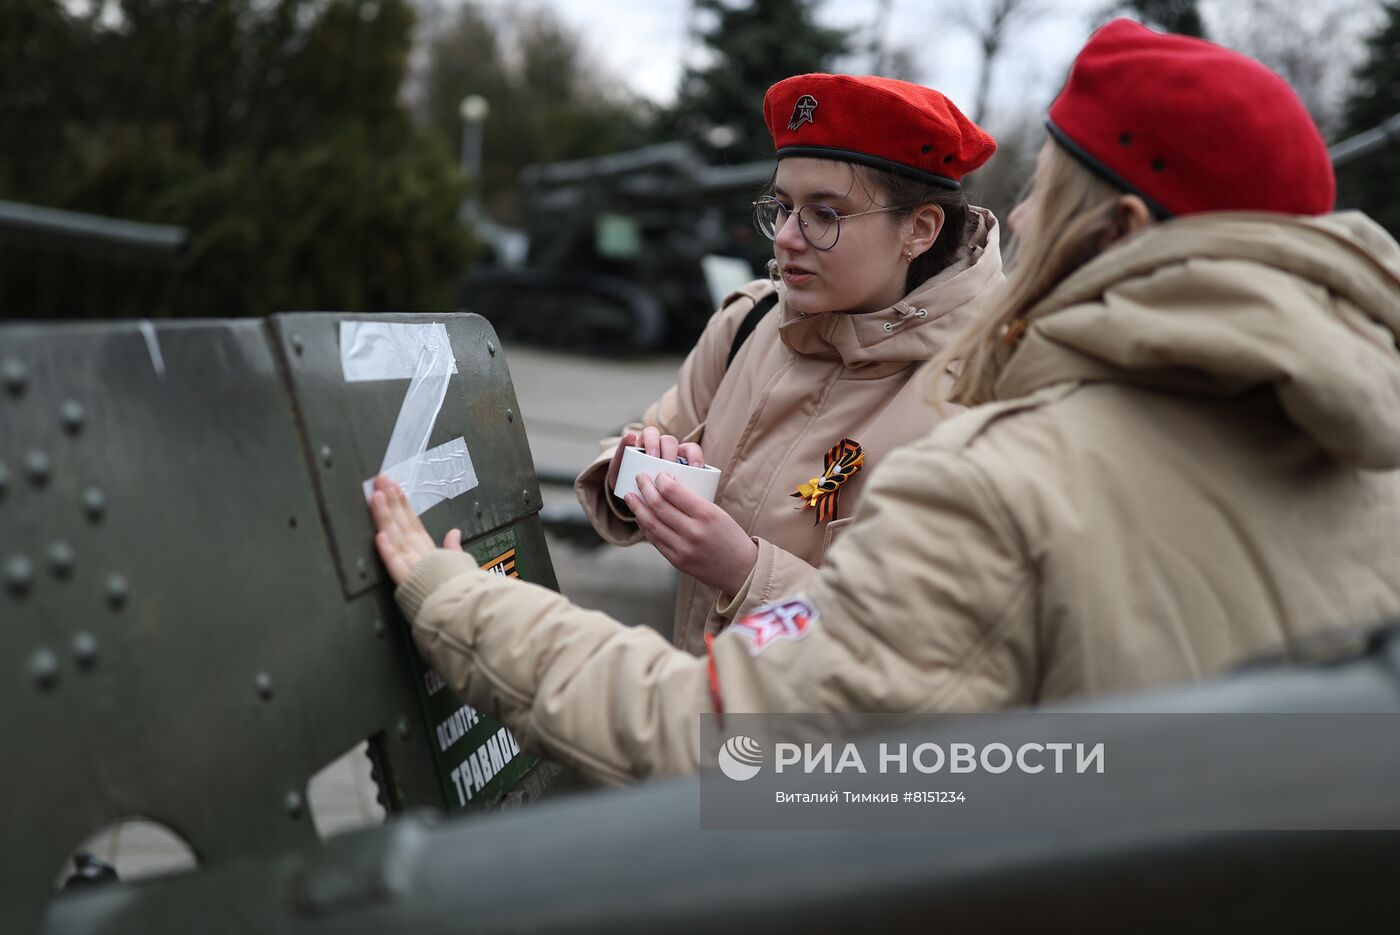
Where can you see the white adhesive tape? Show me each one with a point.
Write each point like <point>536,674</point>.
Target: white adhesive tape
<point>421,353</point>
<point>700,480</point>
<point>434,476</point>
<point>382,350</point>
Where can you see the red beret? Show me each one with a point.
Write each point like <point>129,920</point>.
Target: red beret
<point>880,122</point>
<point>1190,126</point>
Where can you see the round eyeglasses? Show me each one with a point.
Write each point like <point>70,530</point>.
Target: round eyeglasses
<point>820,224</point>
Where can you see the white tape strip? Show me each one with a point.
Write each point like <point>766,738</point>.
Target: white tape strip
<point>434,476</point>
<point>379,350</point>
<point>423,353</point>
<point>148,331</point>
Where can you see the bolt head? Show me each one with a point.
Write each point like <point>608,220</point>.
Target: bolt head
<point>293,804</point>
<point>19,574</point>
<point>43,669</point>
<point>402,728</point>
<point>85,649</point>
<point>491,348</point>
<point>298,345</point>
<point>264,685</point>
<point>326,455</point>
<point>61,559</point>
<point>116,591</point>
<point>15,375</point>
<point>379,629</point>
<point>510,415</point>
<point>73,416</point>
<point>38,467</point>
<point>94,503</point>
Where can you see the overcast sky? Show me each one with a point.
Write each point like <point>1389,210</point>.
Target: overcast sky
<point>644,43</point>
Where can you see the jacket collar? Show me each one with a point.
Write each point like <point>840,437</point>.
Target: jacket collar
<point>1221,304</point>
<point>916,327</point>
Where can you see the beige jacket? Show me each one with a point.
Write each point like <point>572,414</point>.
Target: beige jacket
<point>798,385</point>
<point>1195,459</point>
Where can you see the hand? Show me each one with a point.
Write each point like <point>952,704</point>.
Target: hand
<point>401,539</point>
<point>693,534</point>
<point>658,446</point>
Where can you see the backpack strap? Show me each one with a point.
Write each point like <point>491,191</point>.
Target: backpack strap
<point>746,327</point>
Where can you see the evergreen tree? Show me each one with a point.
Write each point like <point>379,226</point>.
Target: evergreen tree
<point>1373,183</point>
<point>752,45</point>
<point>1178,16</point>
<point>270,129</point>
<point>548,100</point>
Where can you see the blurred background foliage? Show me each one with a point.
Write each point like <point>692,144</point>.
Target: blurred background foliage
<point>271,129</point>
<point>312,147</point>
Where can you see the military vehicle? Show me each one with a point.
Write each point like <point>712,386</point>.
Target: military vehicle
<point>616,251</point>
<point>196,623</point>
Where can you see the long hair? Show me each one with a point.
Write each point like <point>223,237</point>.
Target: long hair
<point>1076,213</point>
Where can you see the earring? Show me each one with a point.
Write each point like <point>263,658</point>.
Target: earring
<point>908,256</point>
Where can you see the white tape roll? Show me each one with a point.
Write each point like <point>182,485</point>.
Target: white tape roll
<point>701,480</point>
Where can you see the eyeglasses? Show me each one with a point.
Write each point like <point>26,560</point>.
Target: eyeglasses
<point>819,223</point>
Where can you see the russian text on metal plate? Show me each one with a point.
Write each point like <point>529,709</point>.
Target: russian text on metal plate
<point>194,606</point>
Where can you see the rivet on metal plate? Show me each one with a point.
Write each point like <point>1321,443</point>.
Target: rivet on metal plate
<point>15,375</point>
<point>116,591</point>
<point>19,574</point>
<point>43,668</point>
<point>38,467</point>
<point>85,649</point>
<point>61,559</point>
<point>73,415</point>
<point>94,503</point>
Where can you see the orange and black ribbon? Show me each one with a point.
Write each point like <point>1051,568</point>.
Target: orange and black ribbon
<point>843,461</point>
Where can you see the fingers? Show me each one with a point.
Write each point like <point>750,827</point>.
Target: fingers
<point>453,540</point>
<point>668,447</point>
<point>663,509</point>
<point>651,441</point>
<point>679,496</point>
<point>692,454</point>
<point>656,531</point>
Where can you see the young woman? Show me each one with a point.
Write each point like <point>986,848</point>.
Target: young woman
<point>1188,451</point>
<point>878,262</point>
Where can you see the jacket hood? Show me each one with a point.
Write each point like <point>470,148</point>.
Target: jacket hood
<point>1230,302</point>
<point>900,334</point>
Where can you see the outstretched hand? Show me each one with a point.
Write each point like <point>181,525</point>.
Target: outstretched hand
<point>402,540</point>
<point>692,533</point>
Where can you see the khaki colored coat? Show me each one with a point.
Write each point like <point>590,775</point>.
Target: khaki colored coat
<point>1194,459</point>
<point>797,386</point>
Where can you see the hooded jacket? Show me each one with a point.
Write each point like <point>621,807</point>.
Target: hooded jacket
<point>798,386</point>
<point>1193,458</point>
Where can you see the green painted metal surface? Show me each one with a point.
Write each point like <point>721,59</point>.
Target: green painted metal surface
<point>191,614</point>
